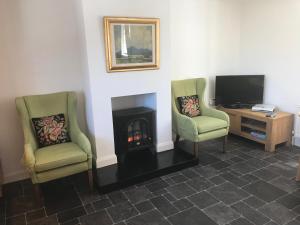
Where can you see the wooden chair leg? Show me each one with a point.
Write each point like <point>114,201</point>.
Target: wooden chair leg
<point>91,181</point>
<point>224,143</point>
<point>37,193</point>
<point>196,150</point>
<point>177,139</point>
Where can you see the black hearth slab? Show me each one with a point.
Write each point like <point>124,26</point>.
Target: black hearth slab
<point>141,168</point>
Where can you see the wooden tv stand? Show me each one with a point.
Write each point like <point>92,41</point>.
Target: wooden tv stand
<point>277,130</point>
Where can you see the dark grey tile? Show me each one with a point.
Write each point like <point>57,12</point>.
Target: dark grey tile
<point>254,202</point>
<point>203,199</point>
<point>144,206</point>
<point>148,218</point>
<point>170,197</point>
<point>206,159</point>
<point>221,213</point>
<point>179,178</point>
<point>182,204</point>
<point>278,213</point>
<point>207,171</point>
<point>71,222</point>
<point>16,220</point>
<point>117,197</point>
<point>265,174</point>
<point>250,178</point>
<point>283,170</point>
<point>285,184</point>
<point>157,185</point>
<point>138,195</point>
<point>257,163</point>
<point>164,206</point>
<point>228,193</point>
<point>89,208</point>
<point>20,204</point>
<point>180,190</point>
<point>251,214</point>
<point>51,220</point>
<point>200,184</point>
<point>271,223</point>
<point>290,201</point>
<point>217,180</point>
<point>241,221</point>
<point>234,179</point>
<point>192,216</point>
<point>70,214</point>
<point>102,204</point>
<point>189,173</point>
<point>122,211</point>
<point>97,218</point>
<point>242,168</point>
<point>264,191</point>
<point>220,165</point>
<point>294,222</point>
<point>35,215</point>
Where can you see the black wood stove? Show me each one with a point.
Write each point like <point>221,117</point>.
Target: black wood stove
<point>134,131</point>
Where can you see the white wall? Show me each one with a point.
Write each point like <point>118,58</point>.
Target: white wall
<point>105,85</point>
<point>40,52</point>
<point>270,45</point>
<point>205,39</point>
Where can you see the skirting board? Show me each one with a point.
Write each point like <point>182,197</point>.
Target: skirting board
<point>165,146</point>
<point>106,161</point>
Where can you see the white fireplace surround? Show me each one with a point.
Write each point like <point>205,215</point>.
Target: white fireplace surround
<point>104,89</point>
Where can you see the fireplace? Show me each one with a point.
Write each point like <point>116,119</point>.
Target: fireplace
<point>134,131</point>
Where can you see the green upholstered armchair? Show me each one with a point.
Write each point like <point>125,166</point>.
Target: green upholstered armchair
<point>60,160</point>
<point>211,124</point>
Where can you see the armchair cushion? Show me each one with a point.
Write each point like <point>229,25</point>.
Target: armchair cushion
<point>55,156</point>
<point>207,124</point>
<point>51,130</point>
<point>189,105</point>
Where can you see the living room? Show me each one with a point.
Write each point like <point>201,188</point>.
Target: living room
<point>52,46</point>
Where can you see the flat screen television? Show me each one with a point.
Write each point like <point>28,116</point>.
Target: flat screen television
<point>239,91</point>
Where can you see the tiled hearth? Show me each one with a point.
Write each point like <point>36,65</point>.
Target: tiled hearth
<point>242,187</point>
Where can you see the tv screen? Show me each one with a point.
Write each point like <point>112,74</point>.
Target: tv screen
<point>239,91</point>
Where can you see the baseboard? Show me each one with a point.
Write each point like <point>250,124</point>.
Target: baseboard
<point>106,161</point>
<point>165,146</point>
<point>15,176</point>
<point>296,141</point>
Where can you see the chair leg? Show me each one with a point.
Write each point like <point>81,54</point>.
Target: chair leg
<point>37,193</point>
<point>224,143</point>
<point>177,139</point>
<point>196,150</point>
<point>91,181</point>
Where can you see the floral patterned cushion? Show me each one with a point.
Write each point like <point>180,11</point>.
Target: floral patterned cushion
<point>51,130</point>
<point>189,105</point>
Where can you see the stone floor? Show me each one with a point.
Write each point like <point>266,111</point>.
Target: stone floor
<point>242,187</point>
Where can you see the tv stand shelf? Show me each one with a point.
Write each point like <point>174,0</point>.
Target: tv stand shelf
<point>257,127</point>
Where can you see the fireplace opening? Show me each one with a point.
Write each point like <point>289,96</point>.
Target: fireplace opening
<point>134,131</point>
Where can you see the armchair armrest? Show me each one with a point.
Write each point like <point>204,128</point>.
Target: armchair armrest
<point>83,142</point>
<point>29,157</point>
<point>206,111</point>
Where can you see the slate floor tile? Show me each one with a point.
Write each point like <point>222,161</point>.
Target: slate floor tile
<point>117,197</point>
<point>207,171</point>
<point>228,193</point>
<point>203,199</point>
<point>265,174</point>
<point>200,184</point>
<point>286,184</point>
<point>254,202</point>
<point>192,216</point>
<point>282,170</point>
<point>278,213</point>
<point>251,214</point>
<point>158,185</point>
<point>180,190</point>
<point>164,206</point>
<point>144,206</point>
<point>16,220</point>
<point>241,221</point>
<point>189,173</point>
<point>138,195</point>
<point>122,211</point>
<point>70,214</point>
<point>206,159</point>
<point>179,178</point>
<point>264,191</point>
<point>35,215</point>
<point>149,218</point>
<point>290,201</point>
<point>20,204</point>
<point>234,179</point>
<point>242,168</point>
<point>217,180</point>
<point>51,220</point>
<point>102,204</point>
<point>221,213</point>
<point>97,218</point>
<point>182,204</point>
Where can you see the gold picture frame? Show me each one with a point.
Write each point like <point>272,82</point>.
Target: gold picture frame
<point>131,43</point>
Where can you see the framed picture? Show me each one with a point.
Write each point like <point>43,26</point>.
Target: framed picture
<point>131,43</point>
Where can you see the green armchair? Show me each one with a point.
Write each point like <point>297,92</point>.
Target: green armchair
<point>60,160</point>
<point>211,124</point>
